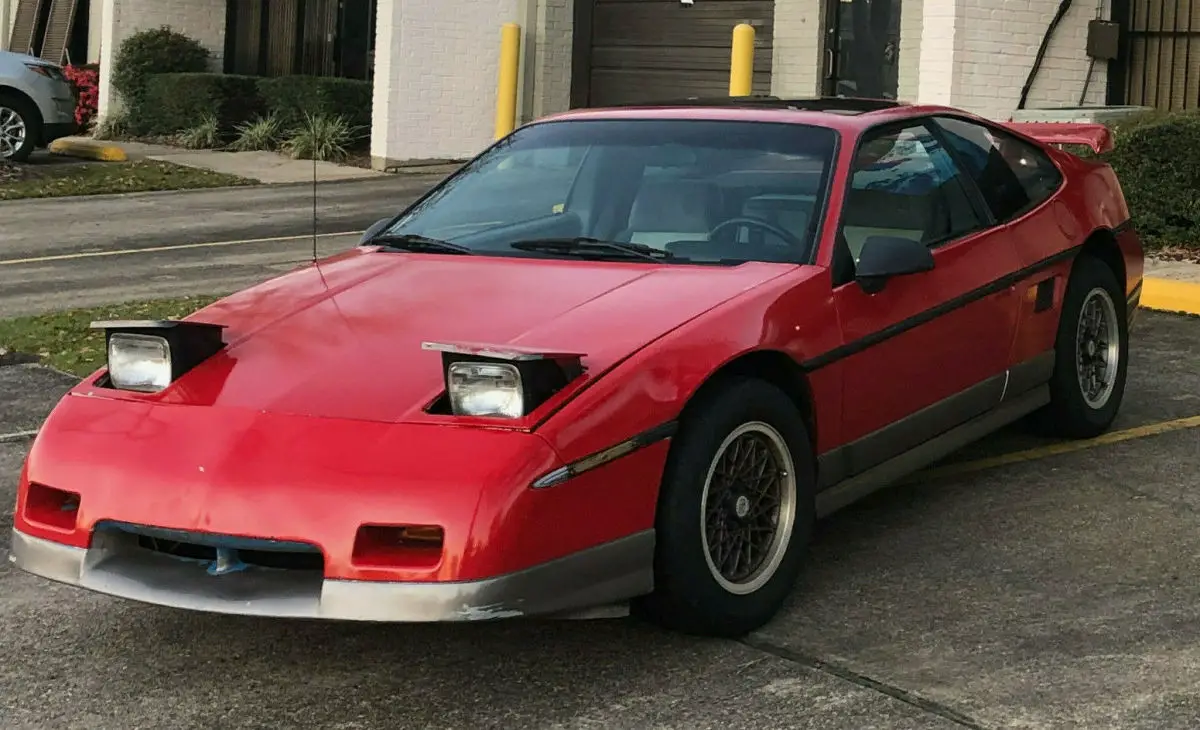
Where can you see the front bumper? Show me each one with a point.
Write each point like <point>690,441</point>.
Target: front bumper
<point>115,565</point>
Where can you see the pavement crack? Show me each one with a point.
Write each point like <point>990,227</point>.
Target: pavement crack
<point>848,675</point>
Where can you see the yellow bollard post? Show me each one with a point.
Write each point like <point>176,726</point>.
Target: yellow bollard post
<point>506,91</point>
<point>741,61</point>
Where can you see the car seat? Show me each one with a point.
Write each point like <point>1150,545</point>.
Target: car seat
<point>672,210</point>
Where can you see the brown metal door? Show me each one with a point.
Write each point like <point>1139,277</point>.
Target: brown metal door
<point>1159,67</point>
<point>25,26</point>
<point>862,43</point>
<point>283,26</point>
<point>320,38</point>
<point>59,24</point>
<point>244,38</point>
<point>647,50</point>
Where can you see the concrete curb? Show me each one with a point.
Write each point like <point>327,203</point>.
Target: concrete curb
<point>1169,295</point>
<point>88,150</point>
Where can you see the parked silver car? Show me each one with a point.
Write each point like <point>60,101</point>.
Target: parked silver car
<point>37,105</point>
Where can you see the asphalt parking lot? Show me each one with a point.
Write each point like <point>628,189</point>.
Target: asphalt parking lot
<point>1058,590</point>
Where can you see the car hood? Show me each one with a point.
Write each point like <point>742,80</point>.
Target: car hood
<point>343,340</point>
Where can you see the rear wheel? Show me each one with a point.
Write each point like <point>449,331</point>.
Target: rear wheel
<point>1091,354</point>
<point>735,514</point>
<point>18,128</point>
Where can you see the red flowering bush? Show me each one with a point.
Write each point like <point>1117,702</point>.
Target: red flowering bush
<point>86,80</point>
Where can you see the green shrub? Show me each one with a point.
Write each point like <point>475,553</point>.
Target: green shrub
<point>156,51</point>
<point>116,126</point>
<point>204,136</point>
<point>320,137</point>
<point>178,101</point>
<point>1157,160</point>
<point>264,133</point>
<point>290,98</point>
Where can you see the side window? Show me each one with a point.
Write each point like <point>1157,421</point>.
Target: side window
<point>904,183</point>
<point>1012,175</point>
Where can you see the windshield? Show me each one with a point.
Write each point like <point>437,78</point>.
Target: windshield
<point>689,191</point>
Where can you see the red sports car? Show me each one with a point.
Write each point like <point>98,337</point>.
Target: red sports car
<point>623,358</point>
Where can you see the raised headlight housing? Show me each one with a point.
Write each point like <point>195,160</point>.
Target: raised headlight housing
<point>148,355</point>
<point>501,382</point>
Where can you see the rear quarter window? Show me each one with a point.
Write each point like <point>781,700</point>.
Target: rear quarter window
<point>1013,175</point>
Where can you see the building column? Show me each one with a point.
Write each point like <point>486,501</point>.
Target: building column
<point>8,14</point>
<point>436,65</point>
<point>547,44</point>
<point>797,52</point>
<point>95,30</point>
<point>912,19</point>
<point>938,60</point>
<point>203,20</point>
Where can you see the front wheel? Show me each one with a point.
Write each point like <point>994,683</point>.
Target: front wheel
<point>735,513</point>
<point>1091,354</point>
<point>18,133</point>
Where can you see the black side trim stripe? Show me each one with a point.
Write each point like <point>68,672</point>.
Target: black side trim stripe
<point>605,456</point>
<point>667,430</point>
<point>899,328</point>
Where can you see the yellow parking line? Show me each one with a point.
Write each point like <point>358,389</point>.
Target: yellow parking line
<point>1066,447</point>
<point>1168,295</point>
<point>176,247</point>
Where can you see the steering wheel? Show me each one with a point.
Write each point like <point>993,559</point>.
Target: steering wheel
<point>757,223</point>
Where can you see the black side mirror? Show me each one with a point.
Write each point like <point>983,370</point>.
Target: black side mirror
<point>376,227</point>
<point>883,257</point>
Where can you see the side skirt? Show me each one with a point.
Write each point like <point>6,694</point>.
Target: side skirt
<point>1022,390</point>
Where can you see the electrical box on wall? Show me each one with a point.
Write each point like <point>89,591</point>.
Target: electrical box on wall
<point>1103,39</point>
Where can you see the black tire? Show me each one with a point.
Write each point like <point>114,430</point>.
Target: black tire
<point>29,118</point>
<point>688,597</point>
<point>1070,414</point>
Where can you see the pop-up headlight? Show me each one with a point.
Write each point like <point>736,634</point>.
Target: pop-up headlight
<point>485,389</point>
<point>149,355</point>
<point>500,382</point>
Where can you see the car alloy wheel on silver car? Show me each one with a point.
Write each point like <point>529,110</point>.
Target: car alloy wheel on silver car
<point>1098,348</point>
<point>12,132</point>
<point>748,508</point>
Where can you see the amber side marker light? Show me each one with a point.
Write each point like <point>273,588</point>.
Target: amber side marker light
<point>398,546</point>
<point>56,509</point>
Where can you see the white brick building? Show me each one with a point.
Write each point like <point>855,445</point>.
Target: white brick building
<point>976,54</point>
<point>435,62</point>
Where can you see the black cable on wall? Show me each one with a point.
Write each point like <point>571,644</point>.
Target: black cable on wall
<point>1063,7</point>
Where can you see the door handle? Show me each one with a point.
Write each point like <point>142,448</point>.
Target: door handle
<point>829,57</point>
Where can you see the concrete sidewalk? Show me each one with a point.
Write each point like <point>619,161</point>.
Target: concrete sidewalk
<point>265,167</point>
<point>1173,269</point>
<point>1172,286</point>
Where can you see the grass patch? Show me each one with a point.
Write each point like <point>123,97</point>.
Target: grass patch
<point>65,341</point>
<point>98,178</point>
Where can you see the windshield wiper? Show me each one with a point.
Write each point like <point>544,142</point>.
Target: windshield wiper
<point>415,242</point>
<point>594,246</point>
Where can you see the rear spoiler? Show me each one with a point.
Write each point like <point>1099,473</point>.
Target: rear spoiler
<point>1093,134</point>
